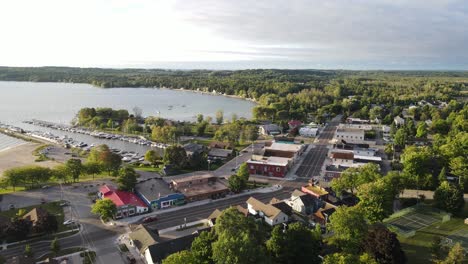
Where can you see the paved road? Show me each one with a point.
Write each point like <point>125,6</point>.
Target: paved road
<point>313,162</point>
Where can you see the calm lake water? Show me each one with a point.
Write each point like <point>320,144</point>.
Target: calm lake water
<point>59,103</point>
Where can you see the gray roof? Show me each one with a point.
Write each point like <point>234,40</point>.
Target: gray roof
<point>153,188</point>
<point>217,152</point>
<point>193,147</point>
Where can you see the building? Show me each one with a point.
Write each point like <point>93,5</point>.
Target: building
<point>322,215</point>
<point>154,248</point>
<point>157,194</point>
<point>220,154</point>
<point>304,203</point>
<point>221,145</point>
<point>284,150</point>
<point>351,120</point>
<point>269,130</point>
<point>191,148</point>
<point>35,214</point>
<point>316,191</point>
<point>353,135</point>
<point>399,121</point>
<point>200,187</point>
<point>356,126</point>
<point>269,213</point>
<point>308,131</point>
<point>216,213</point>
<point>344,159</point>
<point>128,204</point>
<point>294,124</point>
<point>386,131</point>
<point>269,166</point>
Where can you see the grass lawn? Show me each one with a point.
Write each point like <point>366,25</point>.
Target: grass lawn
<point>10,190</point>
<point>53,208</point>
<point>252,185</point>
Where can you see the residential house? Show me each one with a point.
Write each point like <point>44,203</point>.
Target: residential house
<point>157,194</point>
<point>282,205</point>
<point>322,215</point>
<point>308,131</point>
<point>128,204</point>
<point>294,124</point>
<point>399,121</point>
<point>191,148</point>
<point>269,129</point>
<point>216,213</point>
<point>304,203</point>
<point>35,214</point>
<point>269,166</point>
<point>220,154</point>
<point>199,187</point>
<point>269,213</point>
<point>316,191</point>
<point>221,145</point>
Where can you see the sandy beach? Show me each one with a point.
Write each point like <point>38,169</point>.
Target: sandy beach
<point>21,155</point>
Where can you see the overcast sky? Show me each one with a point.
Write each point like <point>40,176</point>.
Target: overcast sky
<point>347,34</point>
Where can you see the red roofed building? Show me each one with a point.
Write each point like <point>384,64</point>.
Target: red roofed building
<point>128,204</point>
<point>294,123</point>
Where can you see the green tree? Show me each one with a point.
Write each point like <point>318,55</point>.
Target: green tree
<point>352,178</point>
<point>236,183</point>
<point>417,165</point>
<point>239,249</point>
<point>456,255</point>
<point>296,244</point>
<point>14,177</point>
<point>102,155</point>
<point>105,208</point>
<point>152,156</point>
<point>75,168</point>
<point>400,138</point>
<point>199,118</point>
<point>219,117</point>
<point>201,128</point>
<point>349,228</point>
<point>344,258</point>
<point>61,173</point>
<point>92,168</point>
<point>376,200</point>
<point>28,251</point>
<point>18,229</point>
<point>55,246</point>
<point>127,179</point>
<point>449,197</point>
<point>176,156</point>
<point>181,257</point>
<point>421,131</point>
<point>243,172</point>
<point>202,247</point>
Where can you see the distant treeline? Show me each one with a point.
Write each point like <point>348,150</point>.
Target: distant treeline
<point>282,94</point>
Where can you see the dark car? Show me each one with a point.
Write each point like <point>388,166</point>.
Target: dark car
<point>149,219</point>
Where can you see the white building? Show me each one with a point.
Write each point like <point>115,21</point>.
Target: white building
<point>270,129</point>
<point>350,135</point>
<point>272,215</point>
<point>308,131</point>
<point>399,121</point>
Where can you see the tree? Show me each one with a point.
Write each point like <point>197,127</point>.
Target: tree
<point>55,246</point>
<point>344,258</point>
<point>349,228</point>
<point>442,175</point>
<point>421,131</point>
<point>376,200</point>
<point>201,128</point>
<point>199,118</point>
<point>400,138</point>
<point>449,197</point>
<point>127,179</point>
<point>137,112</point>
<point>152,156</point>
<point>28,251</point>
<point>105,208</point>
<point>46,223</point>
<point>219,117</point>
<point>437,249</point>
<point>202,247</point>
<point>165,134</point>
<point>75,168</point>
<point>236,183</point>
<point>296,244</point>
<point>352,178</point>
<point>181,257</point>
<point>92,168</point>
<point>417,165</point>
<point>459,167</point>
<point>107,159</point>
<point>238,249</point>
<point>18,229</point>
<point>14,177</point>
<point>243,172</point>
<point>456,255</point>
<point>176,156</point>
<point>383,245</point>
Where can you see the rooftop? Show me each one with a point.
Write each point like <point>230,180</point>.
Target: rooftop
<point>285,147</point>
<point>349,130</point>
<point>205,188</point>
<point>218,152</point>
<point>143,237</point>
<point>193,178</point>
<point>153,188</point>
<point>316,189</point>
<point>121,198</point>
<point>342,155</point>
<point>269,210</point>
<point>271,160</point>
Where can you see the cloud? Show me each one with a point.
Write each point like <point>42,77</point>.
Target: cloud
<point>418,32</point>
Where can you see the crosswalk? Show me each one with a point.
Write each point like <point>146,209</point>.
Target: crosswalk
<point>8,142</point>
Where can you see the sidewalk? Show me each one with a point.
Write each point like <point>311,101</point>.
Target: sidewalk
<point>33,240</point>
<point>134,219</point>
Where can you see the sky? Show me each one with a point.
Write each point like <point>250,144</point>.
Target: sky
<point>236,34</point>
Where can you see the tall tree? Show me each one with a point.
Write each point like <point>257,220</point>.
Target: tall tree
<point>181,257</point>
<point>243,172</point>
<point>456,255</point>
<point>352,178</point>
<point>449,197</point>
<point>92,168</point>
<point>344,258</point>
<point>127,179</point>
<point>296,244</point>
<point>236,183</point>
<point>152,156</point>
<point>349,228</point>
<point>105,208</point>
<point>376,200</point>
<point>75,168</point>
<point>383,245</point>
<point>421,131</point>
<point>219,117</point>
<point>176,156</point>
<point>55,246</point>
<point>202,247</point>
<point>18,229</point>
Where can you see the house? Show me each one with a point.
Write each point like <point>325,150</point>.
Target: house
<point>322,215</point>
<point>157,194</point>
<point>191,148</point>
<point>353,135</point>
<point>269,213</point>
<point>35,214</point>
<point>269,129</point>
<point>221,145</point>
<point>284,150</point>
<point>304,203</point>
<point>346,158</point>
<point>128,204</point>
<point>294,124</point>
<point>282,205</point>
<point>316,191</point>
<point>154,248</point>
<point>200,187</point>
<point>269,166</point>
<point>219,154</point>
<point>216,213</point>
<point>399,121</point>
<point>308,131</point>
<point>386,131</point>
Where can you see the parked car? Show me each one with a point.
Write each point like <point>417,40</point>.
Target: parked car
<point>149,219</point>
<point>69,222</point>
<point>11,206</point>
<point>65,203</point>
<point>45,187</point>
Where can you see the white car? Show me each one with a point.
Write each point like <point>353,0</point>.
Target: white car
<point>69,222</point>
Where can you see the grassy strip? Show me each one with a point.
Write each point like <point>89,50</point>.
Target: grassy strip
<point>41,156</point>
<point>19,136</point>
<point>190,226</point>
<point>62,252</point>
